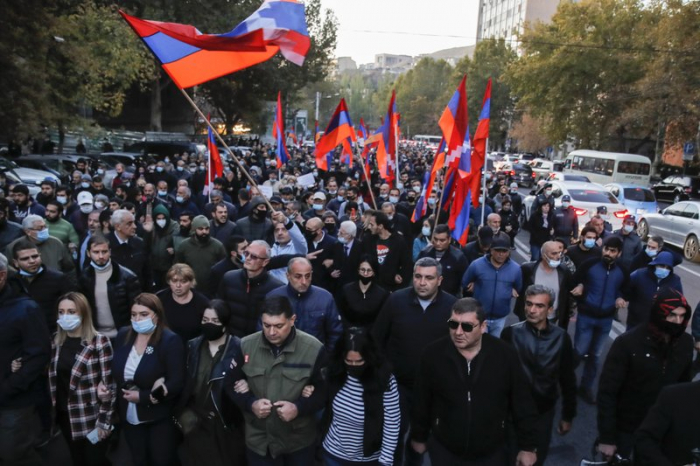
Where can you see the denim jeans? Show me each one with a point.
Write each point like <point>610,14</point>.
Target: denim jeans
<point>495,326</point>
<point>591,333</point>
<point>19,430</point>
<point>535,252</point>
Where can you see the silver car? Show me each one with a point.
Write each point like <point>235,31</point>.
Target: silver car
<point>678,224</point>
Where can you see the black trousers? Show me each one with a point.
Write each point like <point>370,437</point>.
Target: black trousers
<point>82,451</point>
<point>152,443</point>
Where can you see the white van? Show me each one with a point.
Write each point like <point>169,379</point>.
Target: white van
<point>609,167</point>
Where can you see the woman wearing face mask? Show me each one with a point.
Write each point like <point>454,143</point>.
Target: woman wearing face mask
<point>509,220</point>
<point>360,301</point>
<point>160,238</point>
<point>81,362</point>
<point>362,417</point>
<point>645,282</point>
<point>148,368</point>
<point>423,239</point>
<point>183,305</point>
<point>211,424</point>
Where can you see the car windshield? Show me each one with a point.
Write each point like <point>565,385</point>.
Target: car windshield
<point>577,178</point>
<point>639,195</point>
<point>591,195</point>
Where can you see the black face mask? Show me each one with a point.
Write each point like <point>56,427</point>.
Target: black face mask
<point>259,214</point>
<point>672,329</point>
<point>330,228</point>
<point>411,200</point>
<point>366,280</point>
<point>309,236</point>
<point>355,371</point>
<point>211,331</point>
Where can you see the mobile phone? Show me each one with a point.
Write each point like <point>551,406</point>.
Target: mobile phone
<point>159,393</point>
<point>93,437</point>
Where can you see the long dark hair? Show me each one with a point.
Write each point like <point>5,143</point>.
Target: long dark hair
<point>375,377</point>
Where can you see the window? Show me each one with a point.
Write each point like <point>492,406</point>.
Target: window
<point>691,211</point>
<point>638,194</point>
<point>590,195</point>
<point>633,168</point>
<point>676,210</point>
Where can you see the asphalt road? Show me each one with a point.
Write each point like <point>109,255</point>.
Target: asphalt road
<point>571,448</point>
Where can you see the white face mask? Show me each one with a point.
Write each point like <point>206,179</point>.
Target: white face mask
<point>86,208</point>
<point>565,205</point>
<point>425,231</point>
<point>161,222</point>
<point>416,189</point>
<point>68,322</point>
<point>629,228</point>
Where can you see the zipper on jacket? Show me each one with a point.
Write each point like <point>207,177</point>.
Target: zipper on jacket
<point>605,287</point>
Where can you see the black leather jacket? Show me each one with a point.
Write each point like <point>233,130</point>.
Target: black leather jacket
<point>231,360</point>
<point>547,358</point>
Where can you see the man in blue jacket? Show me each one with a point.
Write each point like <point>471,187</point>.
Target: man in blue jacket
<point>494,279</point>
<point>23,333</point>
<point>600,283</point>
<point>314,307</point>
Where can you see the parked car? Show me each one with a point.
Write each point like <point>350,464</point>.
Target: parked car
<point>28,176</point>
<point>678,224</point>
<point>129,159</point>
<point>161,149</point>
<point>12,179</point>
<point>677,188</point>
<point>542,169</point>
<point>585,199</point>
<point>521,174</point>
<point>639,200</point>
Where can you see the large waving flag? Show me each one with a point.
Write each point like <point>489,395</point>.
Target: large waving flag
<point>362,131</point>
<point>278,134</point>
<point>479,149</point>
<point>386,136</point>
<point>428,183</point>
<point>339,129</point>
<point>192,58</point>
<point>454,124</point>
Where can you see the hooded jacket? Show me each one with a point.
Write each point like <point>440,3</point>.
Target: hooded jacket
<point>160,239</point>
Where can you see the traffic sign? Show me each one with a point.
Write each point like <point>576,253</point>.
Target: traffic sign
<point>688,151</point>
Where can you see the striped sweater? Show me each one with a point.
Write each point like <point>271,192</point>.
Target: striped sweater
<point>344,438</point>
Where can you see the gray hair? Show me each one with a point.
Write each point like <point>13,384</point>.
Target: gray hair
<point>118,216</point>
<point>534,290</point>
<point>389,205</point>
<point>3,263</point>
<point>294,260</point>
<point>428,262</point>
<point>259,242</point>
<point>349,227</point>
<point>216,193</point>
<point>28,222</point>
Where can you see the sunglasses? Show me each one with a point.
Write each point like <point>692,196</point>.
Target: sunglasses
<point>466,326</point>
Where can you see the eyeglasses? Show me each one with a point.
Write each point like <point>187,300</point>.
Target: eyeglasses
<point>466,326</point>
<point>254,257</point>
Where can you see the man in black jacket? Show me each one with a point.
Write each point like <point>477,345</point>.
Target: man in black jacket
<point>127,249</point>
<point>23,333</point>
<point>546,353</point>
<point>467,386</point>
<point>244,290</point>
<point>109,287</point>
<point>549,271</point>
<point>389,250</point>
<point>639,364</point>
<point>453,262</point>
<point>411,319</point>
<point>319,241</point>
<point>44,285</point>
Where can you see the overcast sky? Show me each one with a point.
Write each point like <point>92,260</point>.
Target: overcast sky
<point>405,27</point>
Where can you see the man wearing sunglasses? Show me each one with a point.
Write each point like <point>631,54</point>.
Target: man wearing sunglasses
<point>546,354</point>
<point>468,384</point>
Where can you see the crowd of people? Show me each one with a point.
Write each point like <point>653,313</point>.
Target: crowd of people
<point>289,323</point>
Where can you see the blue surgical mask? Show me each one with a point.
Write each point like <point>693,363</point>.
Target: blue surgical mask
<point>661,273</point>
<point>180,199</point>
<point>143,326</point>
<point>42,235</point>
<point>62,199</point>
<point>180,168</point>
<point>159,169</point>
<point>68,322</point>
<point>242,258</point>
<point>27,274</point>
<point>589,243</point>
<point>393,199</point>
<point>431,201</point>
<point>85,185</point>
<point>553,264</point>
<point>318,206</point>
<point>651,252</point>
<point>162,193</point>
<point>628,228</point>
<point>425,231</point>
<point>340,198</point>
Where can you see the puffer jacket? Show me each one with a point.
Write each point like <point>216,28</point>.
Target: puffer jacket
<point>122,287</point>
<point>245,296</point>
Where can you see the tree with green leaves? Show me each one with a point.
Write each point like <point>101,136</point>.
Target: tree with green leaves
<point>578,72</point>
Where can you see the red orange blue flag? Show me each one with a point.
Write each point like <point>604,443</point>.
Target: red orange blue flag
<point>278,134</point>
<point>215,167</point>
<point>454,124</point>
<point>338,130</point>
<point>191,57</point>
<point>479,146</point>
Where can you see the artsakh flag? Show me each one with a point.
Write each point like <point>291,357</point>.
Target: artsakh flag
<point>459,210</point>
<point>338,130</point>
<point>191,58</point>
<point>215,168</point>
<point>428,183</point>
<point>454,124</point>
<point>479,148</point>
<point>386,135</point>
<point>278,134</point>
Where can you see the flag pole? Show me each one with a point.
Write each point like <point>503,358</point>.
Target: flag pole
<point>483,182</point>
<point>221,140</point>
<point>364,172</point>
